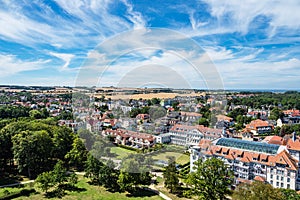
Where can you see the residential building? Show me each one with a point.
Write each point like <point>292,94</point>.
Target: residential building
<point>190,117</point>
<point>130,138</point>
<point>259,126</point>
<point>271,163</point>
<point>185,135</point>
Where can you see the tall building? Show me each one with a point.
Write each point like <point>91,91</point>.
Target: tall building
<point>271,163</point>
<point>185,135</point>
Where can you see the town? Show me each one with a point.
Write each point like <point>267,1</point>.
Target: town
<point>254,134</point>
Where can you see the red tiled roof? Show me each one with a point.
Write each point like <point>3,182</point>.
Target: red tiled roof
<point>293,145</point>
<point>259,178</point>
<point>274,140</point>
<point>257,123</point>
<point>192,114</point>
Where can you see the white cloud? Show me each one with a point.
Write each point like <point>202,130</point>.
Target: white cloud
<point>89,23</point>
<point>236,16</point>
<point>135,17</point>
<point>239,71</point>
<point>65,57</point>
<point>195,23</point>
<point>10,65</point>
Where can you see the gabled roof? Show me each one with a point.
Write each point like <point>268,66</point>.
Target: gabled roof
<point>273,140</point>
<point>286,159</point>
<point>257,123</point>
<point>293,145</point>
<point>259,178</point>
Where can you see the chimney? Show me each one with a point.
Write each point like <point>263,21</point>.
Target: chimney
<point>294,137</point>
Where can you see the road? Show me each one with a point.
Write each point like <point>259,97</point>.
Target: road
<point>16,184</point>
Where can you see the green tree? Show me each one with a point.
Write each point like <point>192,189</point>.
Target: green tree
<point>171,176</point>
<point>276,113</point>
<point>73,179</point>
<point>78,154</point>
<point>109,176</point>
<point>60,173</point>
<point>92,168</point>
<point>63,138</point>
<point>45,181</point>
<point>89,138</point>
<point>32,151</point>
<point>125,181</point>
<point>57,178</point>
<point>257,191</point>
<point>211,180</point>
<point>203,121</point>
<point>289,194</point>
<point>134,172</point>
<point>35,114</point>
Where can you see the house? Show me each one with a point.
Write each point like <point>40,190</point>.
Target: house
<point>143,117</point>
<point>261,114</point>
<point>251,160</point>
<point>291,116</point>
<point>130,138</point>
<point>189,116</point>
<point>186,135</point>
<point>163,138</point>
<point>223,121</point>
<point>259,126</point>
<point>292,143</point>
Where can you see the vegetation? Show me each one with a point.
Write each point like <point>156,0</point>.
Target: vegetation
<point>171,176</point>
<point>211,180</point>
<point>57,178</point>
<point>35,146</point>
<point>10,112</point>
<point>135,111</point>
<point>259,190</point>
<point>287,100</point>
<point>81,190</point>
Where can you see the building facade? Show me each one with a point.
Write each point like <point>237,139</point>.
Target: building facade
<point>251,160</point>
<point>185,135</point>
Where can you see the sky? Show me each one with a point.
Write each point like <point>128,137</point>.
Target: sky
<point>206,44</point>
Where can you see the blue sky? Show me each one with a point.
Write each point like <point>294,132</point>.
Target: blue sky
<point>250,45</point>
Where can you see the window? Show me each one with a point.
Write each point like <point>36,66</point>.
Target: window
<point>289,173</point>
<point>277,183</point>
<point>288,186</point>
<point>277,177</point>
<point>271,176</point>
<point>288,180</point>
<point>282,185</point>
<point>282,178</point>
<point>271,182</point>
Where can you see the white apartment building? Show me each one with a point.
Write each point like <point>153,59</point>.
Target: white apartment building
<point>271,163</point>
<point>185,135</point>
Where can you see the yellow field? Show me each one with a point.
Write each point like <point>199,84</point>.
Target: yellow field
<point>148,96</point>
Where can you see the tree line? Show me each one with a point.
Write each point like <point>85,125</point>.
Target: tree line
<point>34,146</point>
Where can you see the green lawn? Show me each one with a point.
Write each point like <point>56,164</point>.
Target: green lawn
<point>121,152</point>
<point>90,192</point>
<point>180,157</point>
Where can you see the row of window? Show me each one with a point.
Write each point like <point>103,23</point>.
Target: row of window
<point>277,178</point>
<point>288,186</point>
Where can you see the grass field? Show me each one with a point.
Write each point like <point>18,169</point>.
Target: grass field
<point>90,192</point>
<point>180,158</point>
<point>121,152</point>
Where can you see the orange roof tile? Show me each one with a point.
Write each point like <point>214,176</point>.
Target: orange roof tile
<point>285,158</point>
<point>259,178</point>
<point>293,145</point>
<point>257,123</point>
